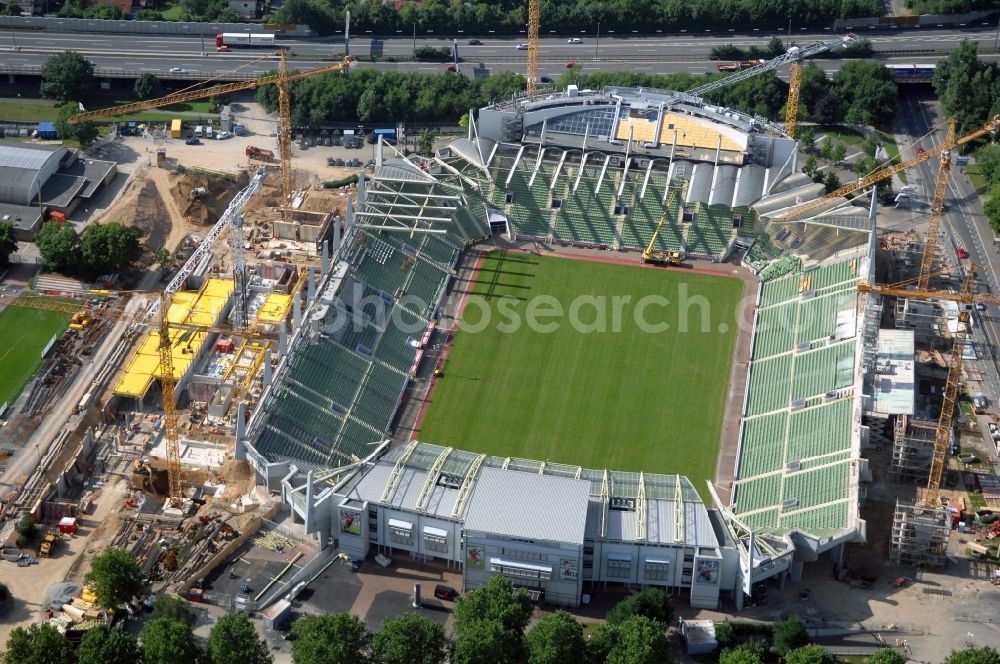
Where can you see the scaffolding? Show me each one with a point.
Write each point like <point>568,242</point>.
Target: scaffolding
<point>920,536</point>
<point>912,448</point>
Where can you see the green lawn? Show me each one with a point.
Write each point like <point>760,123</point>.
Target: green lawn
<point>32,110</point>
<point>23,334</point>
<point>628,400</point>
<point>975,173</point>
<point>841,133</point>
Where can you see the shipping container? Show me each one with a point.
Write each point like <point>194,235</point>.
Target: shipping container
<point>176,128</point>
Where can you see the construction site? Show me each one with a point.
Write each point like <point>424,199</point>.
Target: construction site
<point>240,427</point>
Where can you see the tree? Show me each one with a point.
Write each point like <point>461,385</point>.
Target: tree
<point>84,132</point>
<point>826,150</point>
<point>488,642</point>
<point>838,153</point>
<point>988,160</point>
<point>811,166</point>
<point>888,656</point>
<point>973,656</point>
<point>774,48</point>
<point>992,208</point>
<point>410,639</point>
<point>556,639</point>
<point>601,642</point>
<point>808,138</point>
<point>788,635</point>
<point>234,640</point>
<point>26,528</point>
<point>831,182</point>
<point>426,144</point>
<point>340,638</point>
<point>146,86</point>
<point>67,76</point>
<point>107,645</point>
<point>59,245</point>
<point>166,641</point>
<point>173,608</point>
<point>967,87</point>
<point>12,8</point>
<point>115,577</point>
<point>652,603</point>
<point>810,654</point>
<point>497,600</point>
<point>640,641</point>
<point>740,655</point>
<point>38,644</point>
<point>165,260</point>
<point>868,91</point>
<point>111,247</point>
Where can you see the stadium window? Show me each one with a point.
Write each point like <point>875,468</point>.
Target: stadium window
<point>435,543</point>
<point>626,209</point>
<point>688,215</point>
<point>618,209</point>
<point>737,220</point>
<point>399,536</point>
<point>510,197</point>
<point>556,203</point>
<point>619,569</point>
<point>657,571</point>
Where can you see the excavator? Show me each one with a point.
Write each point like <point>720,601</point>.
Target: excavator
<point>655,256</point>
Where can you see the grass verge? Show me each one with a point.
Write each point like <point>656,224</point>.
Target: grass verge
<point>23,334</point>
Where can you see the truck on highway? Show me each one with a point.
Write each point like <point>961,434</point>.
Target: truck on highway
<point>227,40</point>
<point>258,154</point>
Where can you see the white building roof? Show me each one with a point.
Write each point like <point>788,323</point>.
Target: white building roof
<point>529,506</point>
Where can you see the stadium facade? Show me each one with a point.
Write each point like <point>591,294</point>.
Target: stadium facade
<point>591,169</point>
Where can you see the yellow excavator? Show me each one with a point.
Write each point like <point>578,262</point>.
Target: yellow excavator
<point>659,256</point>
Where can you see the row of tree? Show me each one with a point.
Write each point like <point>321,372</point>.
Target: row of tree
<point>102,249</point>
<point>861,48</point>
<point>510,16</point>
<point>373,95</point>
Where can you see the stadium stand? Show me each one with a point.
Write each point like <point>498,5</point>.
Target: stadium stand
<point>799,434</point>
<point>343,384</point>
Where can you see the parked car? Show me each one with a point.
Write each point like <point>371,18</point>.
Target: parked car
<point>968,458</point>
<point>222,134</point>
<point>445,592</point>
<point>192,141</point>
<point>523,46</point>
<point>474,42</point>
<point>574,40</point>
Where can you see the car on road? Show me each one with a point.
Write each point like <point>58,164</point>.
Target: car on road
<point>445,592</point>
<point>574,40</point>
<point>570,64</point>
<point>450,68</point>
<point>981,307</point>
<point>222,134</point>
<point>962,253</point>
<point>920,149</point>
<point>523,46</point>
<point>176,70</point>
<point>545,79</point>
<point>474,42</point>
<point>192,141</point>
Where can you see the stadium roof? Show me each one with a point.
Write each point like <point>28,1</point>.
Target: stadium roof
<point>529,506</point>
<point>20,166</point>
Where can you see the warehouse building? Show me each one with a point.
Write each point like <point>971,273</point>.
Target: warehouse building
<point>36,180</point>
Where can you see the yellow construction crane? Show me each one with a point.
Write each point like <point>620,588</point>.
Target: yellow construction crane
<point>81,316</point>
<point>282,79</point>
<point>534,18</point>
<point>967,299</point>
<point>937,209</point>
<point>792,105</point>
<point>657,256</point>
<point>800,211</point>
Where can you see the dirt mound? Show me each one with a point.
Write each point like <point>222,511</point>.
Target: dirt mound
<point>142,208</point>
<point>204,209</point>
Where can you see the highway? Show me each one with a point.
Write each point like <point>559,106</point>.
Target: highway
<point>115,55</point>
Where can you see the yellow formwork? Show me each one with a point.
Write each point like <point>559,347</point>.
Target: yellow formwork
<point>275,308</point>
<point>691,132</point>
<point>201,308</point>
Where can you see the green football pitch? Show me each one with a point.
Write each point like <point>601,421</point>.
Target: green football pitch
<point>632,396</point>
<point>23,334</point>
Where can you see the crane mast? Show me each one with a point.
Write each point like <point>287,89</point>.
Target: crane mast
<point>533,24</point>
<point>167,384</point>
<point>792,105</point>
<point>285,138</point>
<point>937,209</point>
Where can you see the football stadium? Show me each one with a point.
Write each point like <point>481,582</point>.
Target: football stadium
<point>473,382</point>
